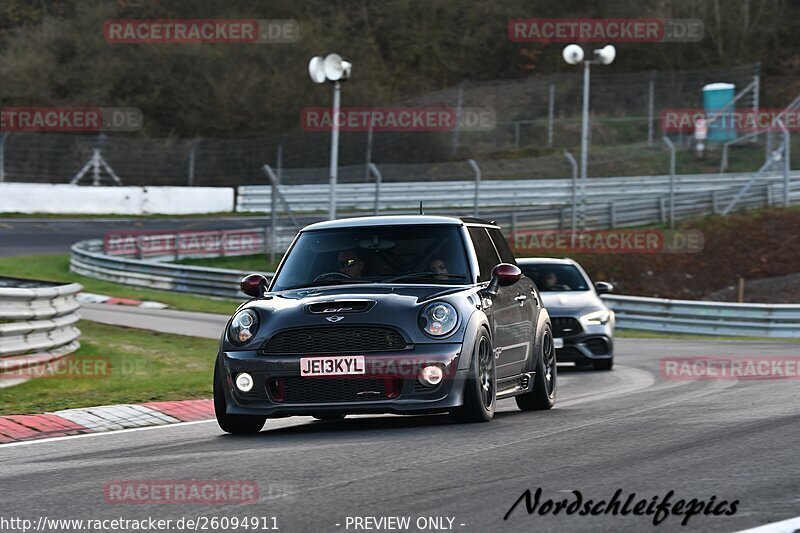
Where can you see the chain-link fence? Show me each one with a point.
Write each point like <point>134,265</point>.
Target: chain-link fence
<point>536,119</point>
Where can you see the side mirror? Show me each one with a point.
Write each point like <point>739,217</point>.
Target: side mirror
<point>602,287</point>
<point>253,285</point>
<point>503,275</point>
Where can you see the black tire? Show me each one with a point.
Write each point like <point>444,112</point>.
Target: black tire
<point>236,424</point>
<point>543,394</point>
<point>327,418</point>
<point>480,387</point>
<point>603,364</point>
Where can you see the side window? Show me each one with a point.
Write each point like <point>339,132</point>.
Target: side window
<point>487,256</point>
<point>506,255</point>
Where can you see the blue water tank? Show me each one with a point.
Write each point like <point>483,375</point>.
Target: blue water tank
<point>715,97</point>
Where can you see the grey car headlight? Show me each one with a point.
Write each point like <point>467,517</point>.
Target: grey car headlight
<point>596,318</point>
<point>243,327</point>
<point>438,319</point>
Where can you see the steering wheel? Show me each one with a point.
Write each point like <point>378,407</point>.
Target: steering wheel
<point>334,275</point>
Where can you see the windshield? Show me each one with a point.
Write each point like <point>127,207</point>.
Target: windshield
<point>556,277</point>
<point>395,254</point>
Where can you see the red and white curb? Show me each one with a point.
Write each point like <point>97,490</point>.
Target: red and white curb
<point>14,428</point>
<point>88,297</point>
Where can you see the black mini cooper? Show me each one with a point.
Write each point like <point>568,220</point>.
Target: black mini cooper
<point>395,314</point>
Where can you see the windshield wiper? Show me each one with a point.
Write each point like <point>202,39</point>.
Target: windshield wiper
<point>427,274</point>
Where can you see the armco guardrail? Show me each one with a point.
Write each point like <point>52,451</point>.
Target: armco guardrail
<point>492,194</point>
<point>88,259</point>
<point>36,320</point>
<point>707,318</point>
<point>633,312</point>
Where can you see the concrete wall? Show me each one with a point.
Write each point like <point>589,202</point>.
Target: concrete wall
<point>87,200</point>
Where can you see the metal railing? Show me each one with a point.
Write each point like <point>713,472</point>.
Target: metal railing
<point>697,199</point>
<point>632,312</point>
<point>486,195</point>
<point>753,135</point>
<point>37,326</point>
<point>644,211</point>
<point>88,259</point>
<point>705,318</point>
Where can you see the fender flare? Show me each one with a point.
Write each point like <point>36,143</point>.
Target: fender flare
<point>543,318</point>
<point>477,320</point>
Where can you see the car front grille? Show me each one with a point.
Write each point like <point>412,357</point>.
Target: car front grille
<point>565,326</point>
<point>335,339</point>
<point>332,390</point>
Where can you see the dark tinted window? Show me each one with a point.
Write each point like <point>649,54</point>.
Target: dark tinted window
<point>555,277</point>
<point>376,254</point>
<point>500,242</point>
<point>487,255</point>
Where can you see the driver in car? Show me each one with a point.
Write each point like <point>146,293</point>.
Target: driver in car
<point>351,263</point>
<point>550,282</point>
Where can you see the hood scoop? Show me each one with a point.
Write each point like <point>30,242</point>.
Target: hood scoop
<point>340,306</point>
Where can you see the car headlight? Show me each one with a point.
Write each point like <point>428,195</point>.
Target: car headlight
<point>596,318</point>
<point>438,319</point>
<point>243,327</point>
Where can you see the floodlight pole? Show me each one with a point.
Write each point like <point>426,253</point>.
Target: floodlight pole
<point>584,137</point>
<point>337,93</point>
<point>573,54</point>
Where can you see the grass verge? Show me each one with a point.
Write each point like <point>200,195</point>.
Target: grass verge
<point>56,268</point>
<point>144,366</point>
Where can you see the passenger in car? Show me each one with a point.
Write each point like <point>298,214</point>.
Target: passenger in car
<point>438,266</point>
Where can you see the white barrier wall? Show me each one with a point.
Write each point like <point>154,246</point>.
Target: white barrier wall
<point>187,200</point>
<point>88,200</point>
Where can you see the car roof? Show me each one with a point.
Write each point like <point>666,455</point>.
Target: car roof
<point>393,220</point>
<point>545,261</point>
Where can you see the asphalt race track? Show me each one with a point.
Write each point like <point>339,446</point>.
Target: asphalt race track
<point>205,325</point>
<point>627,429</point>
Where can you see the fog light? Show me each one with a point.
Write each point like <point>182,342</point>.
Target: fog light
<point>431,375</point>
<point>244,382</point>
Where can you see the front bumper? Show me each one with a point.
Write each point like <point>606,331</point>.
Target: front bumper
<point>393,373</point>
<point>594,343</point>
